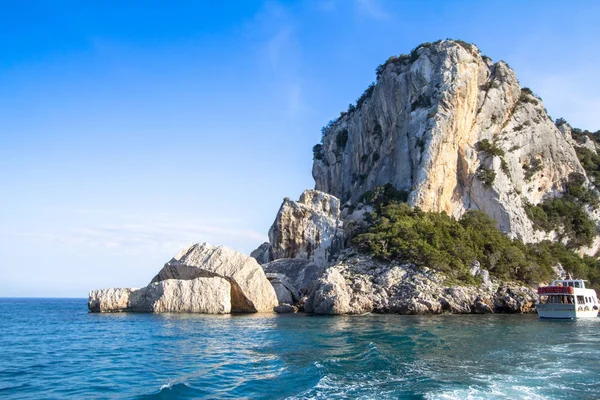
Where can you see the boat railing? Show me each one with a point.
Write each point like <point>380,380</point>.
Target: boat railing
<point>556,290</point>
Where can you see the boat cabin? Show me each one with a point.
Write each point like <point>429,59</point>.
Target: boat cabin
<point>569,291</point>
<point>574,283</point>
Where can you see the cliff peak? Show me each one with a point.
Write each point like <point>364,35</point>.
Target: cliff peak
<point>454,130</point>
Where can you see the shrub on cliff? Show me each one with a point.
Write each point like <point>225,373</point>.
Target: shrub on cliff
<point>491,149</point>
<point>436,240</point>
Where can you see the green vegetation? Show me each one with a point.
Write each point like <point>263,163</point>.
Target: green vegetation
<point>489,148</point>
<point>318,152</point>
<point>567,217</point>
<point>382,196</point>
<point>590,162</point>
<point>504,166</point>
<point>366,95</point>
<point>489,85</point>
<point>341,139</point>
<point>527,96</point>
<point>436,240</point>
<point>566,214</point>
<point>532,168</point>
<point>486,175</point>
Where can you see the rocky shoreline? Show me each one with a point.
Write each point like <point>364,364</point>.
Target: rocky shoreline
<point>216,280</point>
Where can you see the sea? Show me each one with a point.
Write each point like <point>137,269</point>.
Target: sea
<point>55,349</point>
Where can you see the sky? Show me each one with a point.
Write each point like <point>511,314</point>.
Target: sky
<point>129,129</point>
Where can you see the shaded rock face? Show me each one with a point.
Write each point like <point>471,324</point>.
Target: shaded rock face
<point>262,254</point>
<point>250,289</point>
<point>360,285</point>
<point>200,295</point>
<point>286,292</point>
<point>418,130</point>
<point>309,228</point>
<point>301,273</point>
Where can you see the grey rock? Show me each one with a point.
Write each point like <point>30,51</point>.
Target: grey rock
<point>284,288</point>
<point>300,272</point>
<point>285,309</point>
<point>263,253</point>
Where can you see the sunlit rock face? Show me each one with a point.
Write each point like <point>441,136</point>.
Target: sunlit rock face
<point>200,295</point>
<point>309,228</point>
<point>250,289</point>
<point>418,128</point>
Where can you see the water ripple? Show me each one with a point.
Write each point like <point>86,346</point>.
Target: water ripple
<point>56,349</point>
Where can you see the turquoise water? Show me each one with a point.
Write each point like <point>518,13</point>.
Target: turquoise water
<point>52,348</point>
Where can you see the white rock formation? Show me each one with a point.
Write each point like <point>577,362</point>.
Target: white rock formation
<point>110,300</point>
<point>250,289</point>
<point>200,279</point>
<point>418,127</point>
<point>200,295</point>
<point>310,228</point>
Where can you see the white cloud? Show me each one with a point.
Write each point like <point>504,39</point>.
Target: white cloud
<point>372,9</point>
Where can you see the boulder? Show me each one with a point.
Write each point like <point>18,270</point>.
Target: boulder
<point>285,309</point>
<point>250,289</point>
<point>330,294</point>
<point>200,295</point>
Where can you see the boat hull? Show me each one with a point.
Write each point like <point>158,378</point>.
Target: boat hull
<point>564,311</point>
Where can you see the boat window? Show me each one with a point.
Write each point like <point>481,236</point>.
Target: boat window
<point>580,299</point>
<point>570,284</point>
<point>577,284</point>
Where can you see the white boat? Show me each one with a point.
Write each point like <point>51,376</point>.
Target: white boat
<point>567,299</point>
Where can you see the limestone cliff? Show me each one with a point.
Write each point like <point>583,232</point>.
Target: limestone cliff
<point>309,229</point>
<point>455,131</point>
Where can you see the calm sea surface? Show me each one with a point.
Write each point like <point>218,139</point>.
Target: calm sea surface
<point>52,348</point>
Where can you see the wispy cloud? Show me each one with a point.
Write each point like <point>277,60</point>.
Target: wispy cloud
<point>156,235</point>
<point>325,5</point>
<point>281,55</point>
<point>372,9</point>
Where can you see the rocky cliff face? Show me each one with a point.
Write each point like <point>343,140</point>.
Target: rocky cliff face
<point>309,229</point>
<point>421,128</point>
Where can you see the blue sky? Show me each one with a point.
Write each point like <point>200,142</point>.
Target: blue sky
<point>130,129</point>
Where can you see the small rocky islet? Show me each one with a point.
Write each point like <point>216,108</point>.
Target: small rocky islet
<point>445,131</point>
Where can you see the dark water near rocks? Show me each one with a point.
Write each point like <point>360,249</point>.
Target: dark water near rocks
<point>52,348</point>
